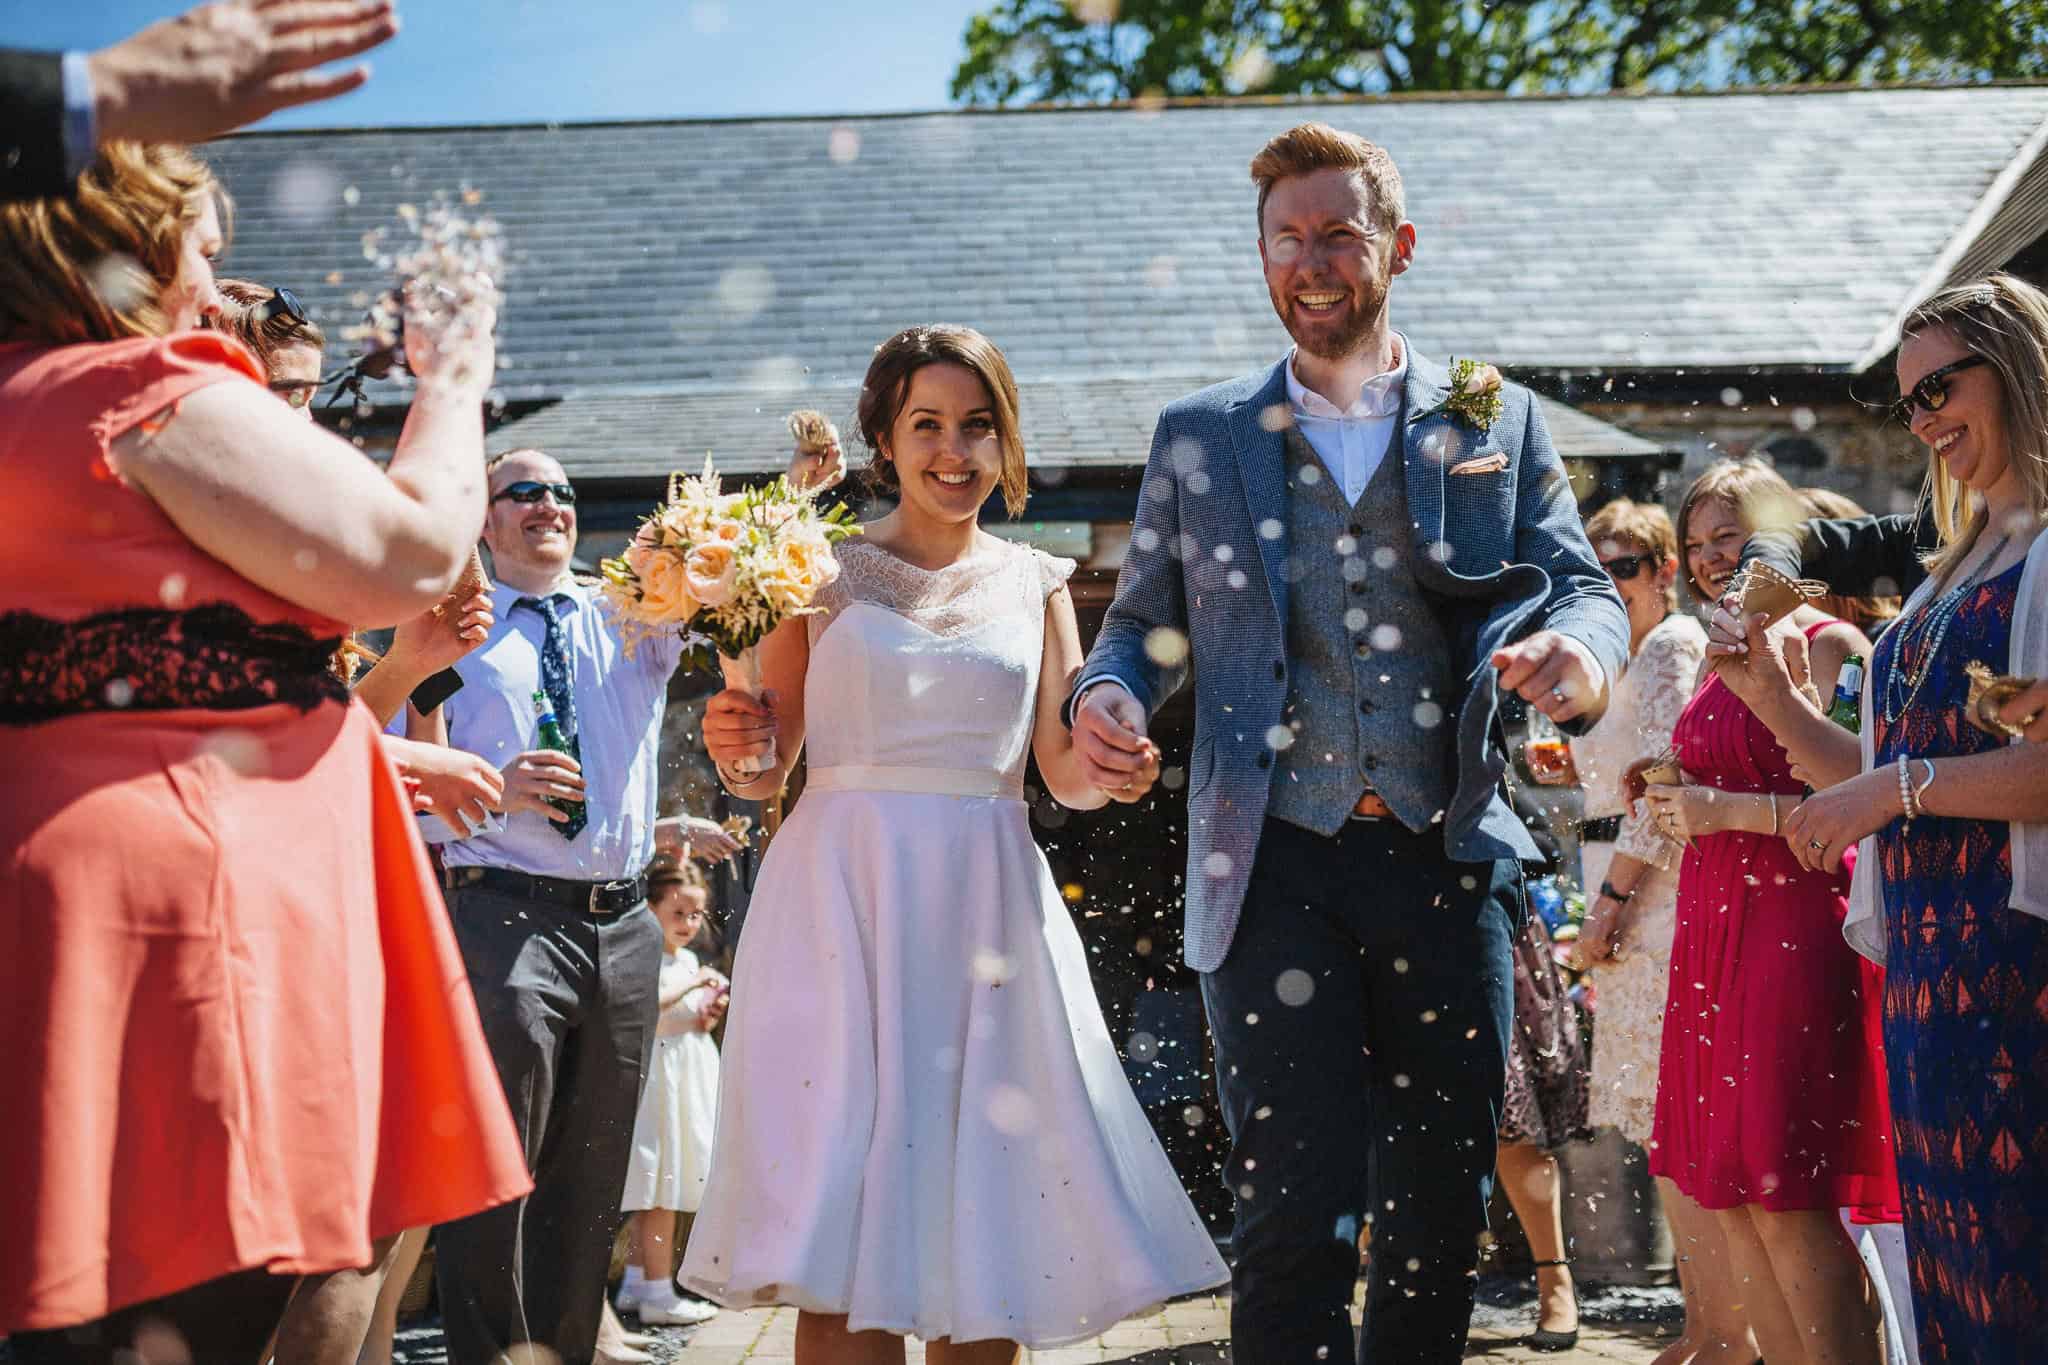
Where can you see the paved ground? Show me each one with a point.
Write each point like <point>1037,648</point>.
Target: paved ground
<point>1629,1325</point>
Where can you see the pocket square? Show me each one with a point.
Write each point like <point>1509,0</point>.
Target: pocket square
<point>1482,464</point>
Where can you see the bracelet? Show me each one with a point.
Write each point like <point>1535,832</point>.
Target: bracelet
<point>1907,806</point>
<point>1772,799</point>
<point>1920,788</point>
<point>1607,890</point>
<point>732,780</point>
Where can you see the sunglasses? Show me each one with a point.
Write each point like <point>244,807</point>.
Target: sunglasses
<point>528,490</point>
<point>1931,392</point>
<point>283,301</point>
<point>1623,568</point>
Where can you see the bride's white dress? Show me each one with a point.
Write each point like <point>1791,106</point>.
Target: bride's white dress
<point>923,1123</point>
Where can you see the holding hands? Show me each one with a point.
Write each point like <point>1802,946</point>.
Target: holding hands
<point>1110,740</point>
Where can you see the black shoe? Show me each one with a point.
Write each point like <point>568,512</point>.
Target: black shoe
<point>1543,1338</point>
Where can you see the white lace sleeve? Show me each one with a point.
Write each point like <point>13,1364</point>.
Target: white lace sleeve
<point>1053,571</point>
<point>827,604</point>
<point>1665,668</point>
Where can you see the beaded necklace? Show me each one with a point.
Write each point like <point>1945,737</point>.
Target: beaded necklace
<point>1932,626</point>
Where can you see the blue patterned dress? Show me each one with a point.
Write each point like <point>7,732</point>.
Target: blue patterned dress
<point>1966,1021</point>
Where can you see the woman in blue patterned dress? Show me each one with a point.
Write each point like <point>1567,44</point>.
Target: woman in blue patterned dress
<point>1951,820</point>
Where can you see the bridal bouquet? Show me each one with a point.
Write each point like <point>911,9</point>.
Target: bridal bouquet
<point>724,569</point>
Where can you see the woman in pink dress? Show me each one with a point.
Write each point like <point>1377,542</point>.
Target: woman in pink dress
<point>1771,1107</point>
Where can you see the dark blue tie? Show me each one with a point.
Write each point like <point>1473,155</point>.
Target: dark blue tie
<point>554,681</point>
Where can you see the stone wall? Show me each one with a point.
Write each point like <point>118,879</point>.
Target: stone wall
<point>1839,445</point>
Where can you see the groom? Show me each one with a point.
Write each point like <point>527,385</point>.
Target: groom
<point>1361,555</point>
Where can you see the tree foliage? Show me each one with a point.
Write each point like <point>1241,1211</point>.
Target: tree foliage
<point>1088,51</point>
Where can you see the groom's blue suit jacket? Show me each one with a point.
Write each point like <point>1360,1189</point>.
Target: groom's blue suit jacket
<point>1501,553</point>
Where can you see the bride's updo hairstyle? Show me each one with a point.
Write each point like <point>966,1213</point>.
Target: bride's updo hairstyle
<point>887,385</point>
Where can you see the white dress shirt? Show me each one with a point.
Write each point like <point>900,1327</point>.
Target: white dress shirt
<point>1351,441</point>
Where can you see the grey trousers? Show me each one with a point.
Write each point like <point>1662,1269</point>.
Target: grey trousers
<point>568,1002</point>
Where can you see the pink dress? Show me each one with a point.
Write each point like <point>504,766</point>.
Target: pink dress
<point>238,1029</point>
<point>1771,1081</point>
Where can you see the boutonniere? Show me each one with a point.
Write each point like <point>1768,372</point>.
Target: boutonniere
<point>1474,398</point>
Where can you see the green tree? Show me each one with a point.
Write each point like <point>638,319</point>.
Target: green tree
<point>1087,51</point>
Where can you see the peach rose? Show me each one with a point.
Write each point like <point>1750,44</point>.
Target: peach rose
<point>801,566</point>
<point>711,570</point>
<point>1484,380</point>
<point>665,598</point>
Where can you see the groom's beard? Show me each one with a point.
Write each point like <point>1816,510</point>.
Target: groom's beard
<point>1343,330</point>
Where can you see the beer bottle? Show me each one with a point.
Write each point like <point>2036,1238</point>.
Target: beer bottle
<point>1846,710</point>
<point>552,738</point>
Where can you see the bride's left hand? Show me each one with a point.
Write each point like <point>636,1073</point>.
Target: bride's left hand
<point>1829,823</point>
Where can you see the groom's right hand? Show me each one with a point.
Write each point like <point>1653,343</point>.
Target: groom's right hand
<point>1110,739</point>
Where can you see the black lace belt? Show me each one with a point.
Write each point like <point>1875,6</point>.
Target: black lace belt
<point>211,658</point>
<point>1604,830</point>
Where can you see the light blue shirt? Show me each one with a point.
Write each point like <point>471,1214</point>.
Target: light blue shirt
<point>619,704</point>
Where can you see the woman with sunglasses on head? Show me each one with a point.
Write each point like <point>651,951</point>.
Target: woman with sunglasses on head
<point>1951,891</point>
<point>227,1028</point>
<point>1632,886</point>
<point>1770,1092</point>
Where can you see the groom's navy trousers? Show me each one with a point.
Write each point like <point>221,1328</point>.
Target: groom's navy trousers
<point>1361,1024</point>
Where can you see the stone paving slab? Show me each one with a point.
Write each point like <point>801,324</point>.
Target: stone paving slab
<point>1192,1331</point>
<point>1621,1326</point>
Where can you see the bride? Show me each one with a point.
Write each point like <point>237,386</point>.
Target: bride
<point>924,1127</point>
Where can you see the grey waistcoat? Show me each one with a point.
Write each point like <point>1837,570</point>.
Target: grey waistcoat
<point>1367,659</point>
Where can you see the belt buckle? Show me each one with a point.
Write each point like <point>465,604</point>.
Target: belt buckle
<point>597,889</point>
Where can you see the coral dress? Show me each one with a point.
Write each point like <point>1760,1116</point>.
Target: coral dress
<point>1770,1086</point>
<point>924,1124</point>
<point>238,1031</point>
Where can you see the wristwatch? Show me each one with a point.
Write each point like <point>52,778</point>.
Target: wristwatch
<point>1623,897</point>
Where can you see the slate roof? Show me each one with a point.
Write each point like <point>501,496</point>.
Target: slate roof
<point>661,271</point>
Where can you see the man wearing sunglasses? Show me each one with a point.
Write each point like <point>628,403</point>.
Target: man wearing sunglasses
<point>550,911</point>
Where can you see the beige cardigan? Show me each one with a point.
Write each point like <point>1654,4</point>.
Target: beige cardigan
<point>1865,926</point>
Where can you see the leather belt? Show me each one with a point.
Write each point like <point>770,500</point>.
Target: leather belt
<point>1370,807</point>
<point>588,898</point>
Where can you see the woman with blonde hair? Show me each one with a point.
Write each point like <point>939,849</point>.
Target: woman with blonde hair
<point>1951,890</point>
<point>1770,1094</point>
<point>245,1045</point>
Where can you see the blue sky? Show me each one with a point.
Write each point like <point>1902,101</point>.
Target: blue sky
<point>498,61</point>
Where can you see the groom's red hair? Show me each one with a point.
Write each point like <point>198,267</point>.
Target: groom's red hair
<point>1309,147</point>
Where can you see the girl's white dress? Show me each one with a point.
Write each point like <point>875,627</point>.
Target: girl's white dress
<point>924,1123</point>
<point>678,1102</point>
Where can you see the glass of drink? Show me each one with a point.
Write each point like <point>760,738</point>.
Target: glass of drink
<point>1545,752</point>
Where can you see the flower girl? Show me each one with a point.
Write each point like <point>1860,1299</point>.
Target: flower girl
<point>679,1101</point>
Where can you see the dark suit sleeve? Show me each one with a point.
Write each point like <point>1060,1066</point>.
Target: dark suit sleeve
<point>32,152</point>
<point>1855,556</point>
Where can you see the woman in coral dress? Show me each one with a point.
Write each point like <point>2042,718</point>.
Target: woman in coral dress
<point>241,1044</point>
